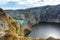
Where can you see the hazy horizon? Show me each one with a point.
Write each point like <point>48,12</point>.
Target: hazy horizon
<point>24,4</point>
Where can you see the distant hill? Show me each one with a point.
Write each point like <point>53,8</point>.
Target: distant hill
<point>38,14</point>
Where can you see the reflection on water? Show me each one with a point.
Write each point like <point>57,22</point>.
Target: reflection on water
<point>45,30</point>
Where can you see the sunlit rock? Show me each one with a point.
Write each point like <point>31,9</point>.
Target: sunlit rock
<point>9,28</point>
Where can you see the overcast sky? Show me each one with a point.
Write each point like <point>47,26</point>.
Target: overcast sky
<point>22,4</point>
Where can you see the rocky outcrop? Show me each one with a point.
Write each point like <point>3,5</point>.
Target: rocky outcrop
<point>10,29</point>
<point>6,25</point>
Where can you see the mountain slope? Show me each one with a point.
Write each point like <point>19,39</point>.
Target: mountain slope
<point>38,14</point>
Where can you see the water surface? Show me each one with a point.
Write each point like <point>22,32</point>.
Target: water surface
<point>45,30</point>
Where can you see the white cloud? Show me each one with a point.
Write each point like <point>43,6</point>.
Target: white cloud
<point>35,3</point>
<point>32,3</point>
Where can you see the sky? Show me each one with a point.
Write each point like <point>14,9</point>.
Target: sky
<point>23,4</point>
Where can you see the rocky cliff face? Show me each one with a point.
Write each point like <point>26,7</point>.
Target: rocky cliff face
<point>10,29</point>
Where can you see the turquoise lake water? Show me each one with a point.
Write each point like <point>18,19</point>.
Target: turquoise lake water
<point>20,21</point>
